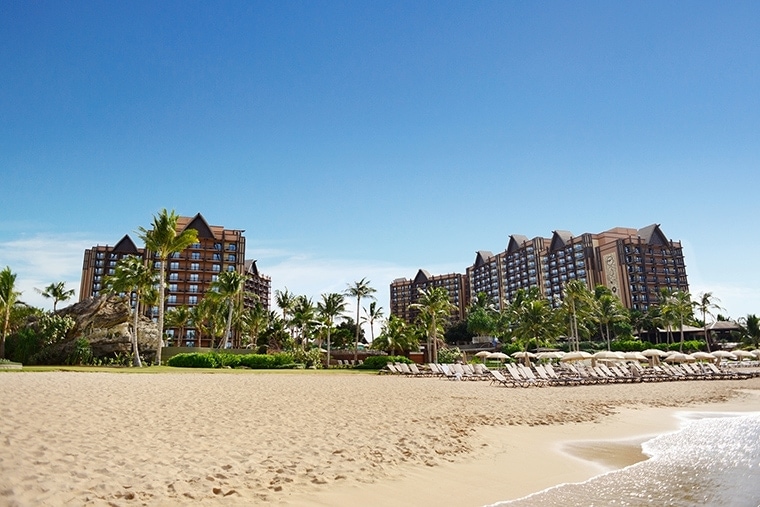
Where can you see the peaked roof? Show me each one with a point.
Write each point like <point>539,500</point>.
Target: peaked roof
<point>126,245</point>
<point>250,267</point>
<point>653,235</point>
<point>560,239</point>
<point>515,242</point>
<point>481,256</point>
<point>422,276</point>
<point>199,224</point>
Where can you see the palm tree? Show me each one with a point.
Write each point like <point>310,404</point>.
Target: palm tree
<point>667,315</point>
<point>285,300</point>
<point>228,288</point>
<point>681,307</point>
<point>180,317</point>
<point>304,320</point>
<point>396,337</point>
<point>332,306</point>
<point>752,328</point>
<point>534,321</point>
<point>370,316</point>
<point>132,275</point>
<point>576,299</point>
<point>435,308</point>
<point>705,304</point>
<point>359,290</point>
<point>254,321</point>
<point>8,298</point>
<point>57,292</point>
<point>163,240</point>
<point>609,311</point>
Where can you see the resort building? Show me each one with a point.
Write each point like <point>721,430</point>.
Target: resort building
<point>635,264</point>
<point>405,292</point>
<point>189,273</point>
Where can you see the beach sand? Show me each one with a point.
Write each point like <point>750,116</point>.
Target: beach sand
<point>319,439</point>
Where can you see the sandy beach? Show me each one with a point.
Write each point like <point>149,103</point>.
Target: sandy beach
<point>319,439</point>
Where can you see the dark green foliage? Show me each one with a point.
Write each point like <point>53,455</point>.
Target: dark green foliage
<point>511,348</point>
<point>82,353</point>
<point>379,362</point>
<point>225,360</point>
<point>457,333</point>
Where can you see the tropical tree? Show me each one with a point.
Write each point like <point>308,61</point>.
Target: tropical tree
<point>576,302</point>
<point>253,323</point>
<point>609,310</point>
<point>374,313</point>
<point>285,300</point>
<point>667,317</point>
<point>57,292</point>
<point>359,290</point>
<point>396,337</point>
<point>332,306</point>
<point>163,240</point>
<point>209,319</point>
<point>434,309</point>
<point>304,319</point>
<point>680,306</point>
<point>482,316</point>
<point>9,297</point>
<point>228,287</point>
<point>752,328</point>
<point>131,275</point>
<point>533,321</point>
<point>179,317</point>
<point>705,304</point>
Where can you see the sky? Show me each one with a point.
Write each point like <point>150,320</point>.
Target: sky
<point>356,139</point>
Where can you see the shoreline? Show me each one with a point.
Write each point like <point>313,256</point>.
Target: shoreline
<point>315,440</point>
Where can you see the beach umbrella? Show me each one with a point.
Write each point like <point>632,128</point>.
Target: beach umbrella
<point>654,355</point>
<point>497,355</point>
<point>550,355</point>
<point>576,356</point>
<point>525,356</point>
<point>743,354</point>
<point>609,355</point>
<point>635,356</point>
<point>678,357</point>
<point>483,354</point>
<point>724,354</point>
<point>756,352</point>
<point>703,356</point>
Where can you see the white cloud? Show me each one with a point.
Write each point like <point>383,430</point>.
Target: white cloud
<point>43,259</point>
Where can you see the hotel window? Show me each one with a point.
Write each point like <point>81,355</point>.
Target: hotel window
<point>97,278</point>
<point>174,265</point>
<point>172,298</point>
<point>216,267</point>
<point>172,287</point>
<point>112,263</point>
<point>98,263</point>
<point>214,278</point>
<point>195,266</point>
<point>231,257</point>
<point>196,256</point>
<point>111,271</point>
<point>174,255</point>
<point>232,247</point>
<point>217,246</point>
<point>157,265</point>
<point>100,255</point>
<point>192,300</point>
<point>173,276</point>
<point>194,277</point>
<point>195,245</point>
<point>230,268</point>
<point>193,288</point>
<point>99,271</point>
<point>217,257</point>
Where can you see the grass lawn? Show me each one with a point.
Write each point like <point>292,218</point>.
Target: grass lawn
<point>169,369</point>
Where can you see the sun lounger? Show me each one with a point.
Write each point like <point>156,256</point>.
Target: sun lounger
<point>567,377</point>
<point>448,373</point>
<point>527,373</point>
<point>514,374</point>
<point>499,378</point>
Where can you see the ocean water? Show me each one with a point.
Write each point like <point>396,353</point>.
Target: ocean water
<point>714,460</point>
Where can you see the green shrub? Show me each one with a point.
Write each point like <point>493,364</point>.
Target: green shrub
<point>450,355</point>
<point>227,360</point>
<point>82,353</point>
<point>194,360</point>
<point>379,362</point>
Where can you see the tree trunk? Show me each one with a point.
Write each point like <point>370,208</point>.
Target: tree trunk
<point>228,329</point>
<point>161,299</point>
<point>135,348</point>
<point>356,343</point>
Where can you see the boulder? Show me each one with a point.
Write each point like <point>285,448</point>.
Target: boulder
<point>106,322</point>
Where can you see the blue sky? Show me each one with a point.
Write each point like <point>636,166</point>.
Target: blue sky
<point>371,139</point>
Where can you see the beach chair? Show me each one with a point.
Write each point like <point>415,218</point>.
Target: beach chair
<point>436,371</point>
<point>567,378</point>
<point>718,373</point>
<point>499,378</point>
<point>530,377</point>
<point>544,376</point>
<point>416,371</point>
<point>514,374</point>
<point>448,373</point>
<point>404,369</point>
<point>579,373</point>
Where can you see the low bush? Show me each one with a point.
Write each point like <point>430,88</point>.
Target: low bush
<point>379,362</point>
<point>226,360</point>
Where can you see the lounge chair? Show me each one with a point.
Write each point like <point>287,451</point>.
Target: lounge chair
<point>514,374</point>
<point>567,377</point>
<point>499,378</point>
<point>530,377</point>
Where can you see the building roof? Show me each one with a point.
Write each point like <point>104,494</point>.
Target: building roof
<point>127,246</point>
<point>652,235</point>
<point>481,257</point>
<point>422,276</point>
<point>560,239</point>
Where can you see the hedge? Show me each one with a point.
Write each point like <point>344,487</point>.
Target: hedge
<point>225,360</point>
